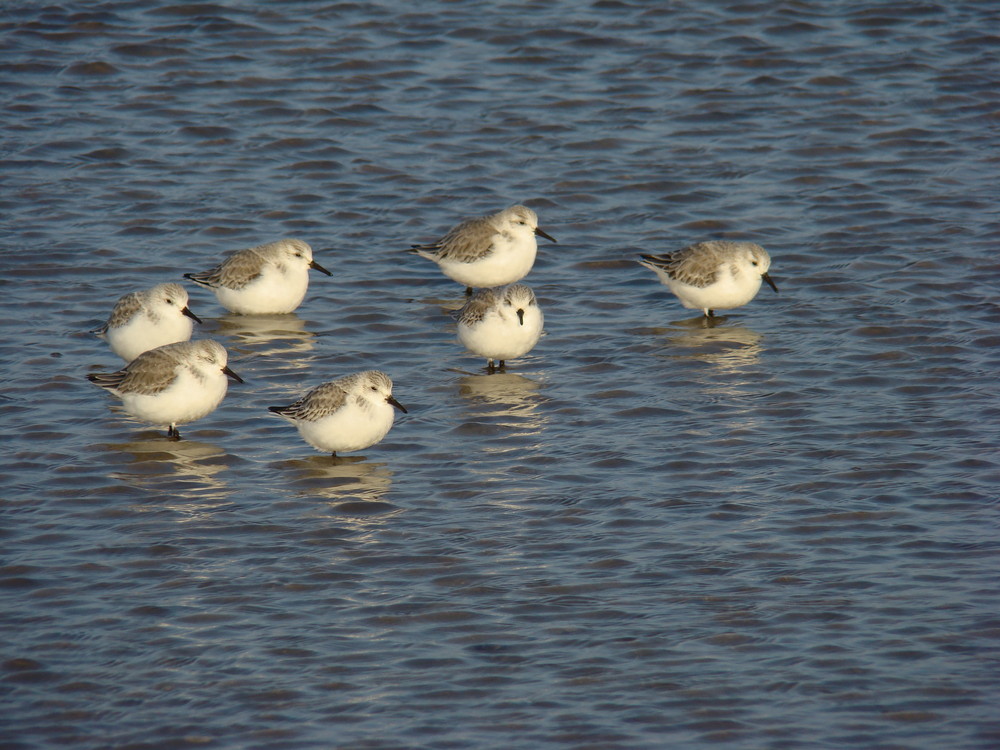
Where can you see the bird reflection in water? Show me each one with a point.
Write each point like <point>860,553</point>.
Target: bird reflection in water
<point>338,478</point>
<point>267,335</point>
<point>729,349</point>
<point>187,470</point>
<point>504,400</point>
<point>733,355</point>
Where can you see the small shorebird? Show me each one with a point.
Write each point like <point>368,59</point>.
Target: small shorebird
<point>264,280</point>
<point>347,414</point>
<point>500,323</point>
<point>172,384</point>
<point>489,251</point>
<point>713,275</point>
<point>144,320</point>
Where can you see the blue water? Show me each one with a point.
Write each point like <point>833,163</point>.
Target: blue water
<point>778,531</point>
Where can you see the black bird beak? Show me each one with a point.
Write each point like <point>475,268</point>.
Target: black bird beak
<point>542,233</point>
<point>232,374</point>
<point>186,311</point>
<point>520,315</point>
<point>770,281</point>
<point>318,267</point>
<point>394,402</point>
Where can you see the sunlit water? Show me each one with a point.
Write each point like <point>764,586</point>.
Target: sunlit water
<point>779,531</point>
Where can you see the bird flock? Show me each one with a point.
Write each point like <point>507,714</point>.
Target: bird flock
<point>169,380</point>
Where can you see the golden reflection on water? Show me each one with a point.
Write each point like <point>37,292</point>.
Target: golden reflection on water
<point>506,400</point>
<point>502,393</point>
<point>340,478</point>
<point>188,469</point>
<point>732,353</point>
<point>267,335</point>
<point>729,349</point>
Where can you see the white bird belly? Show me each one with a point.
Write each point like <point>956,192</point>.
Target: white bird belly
<point>187,399</point>
<point>497,338</point>
<point>350,428</point>
<point>271,294</point>
<point>726,293</point>
<point>141,334</point>
<point>501,267</point>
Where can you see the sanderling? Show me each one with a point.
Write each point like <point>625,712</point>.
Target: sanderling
<point>172,384</point>
<point>500,323</point>
<point>347,414</point>
<point>713,275</point>
<point>488,251</point>
<point>145,320</point>
<point>262,280</point>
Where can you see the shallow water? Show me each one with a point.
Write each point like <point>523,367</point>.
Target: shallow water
<point>779,531</point>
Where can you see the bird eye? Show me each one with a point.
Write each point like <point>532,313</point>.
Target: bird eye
<point>754,262</point>
<point>169,301</point>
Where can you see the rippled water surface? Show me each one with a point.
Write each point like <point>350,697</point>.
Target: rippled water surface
<point>779,531</point>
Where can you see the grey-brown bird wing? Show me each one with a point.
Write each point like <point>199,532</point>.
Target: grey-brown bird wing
<point>465,243</point>
<point>477,307</point>
<point>123,310</point>
<point>321,401</point>
<point>235,272</point>
<point>109,380</point>
<point>148,374</point>
<point>695,265</point>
